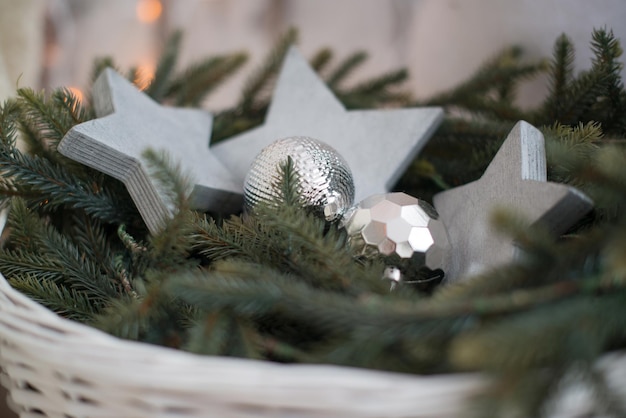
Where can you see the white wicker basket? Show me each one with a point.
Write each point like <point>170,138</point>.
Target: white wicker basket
<point>62,369</point>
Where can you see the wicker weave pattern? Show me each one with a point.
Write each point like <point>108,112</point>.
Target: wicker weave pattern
<point>65,369</point>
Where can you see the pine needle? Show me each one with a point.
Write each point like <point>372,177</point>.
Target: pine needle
<point>346,67</point>
<point>200,79</point>
<point>321,59</point>
<point>68,303</point>
<point>159,83</point>
<point>259,80</point>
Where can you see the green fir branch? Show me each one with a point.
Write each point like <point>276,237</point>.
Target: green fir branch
<point>259,80</point>
<point>567,325</point>
<point>569,147</point>
<point>23,263</point>
<point>253,103</point>
<point>561,75</point>
<point>319,62</point>
<point>9,114</point>
<point>68,303</point>
<point>503,71</point>
<point>579,98</point>
<point>171,245</point>
<point>159,84</point>
<point>280,283</point>
<point>79,272</point>
<point>200,79</point>
<point>65,99</point>
<point>93,240</point>
<point>52,186</point>
<point>607,51</point>
<point>102,63</point>
<point>224,334</point>
<point>244,238</point>
<point>347,66</point>
<point>317,255</point>
<point>376,92</point>
<point>51,123</point>
<point>288,184</point>
<point>130,242</point>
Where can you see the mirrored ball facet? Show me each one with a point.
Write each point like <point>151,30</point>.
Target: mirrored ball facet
<point>325,180</point>
<point>397,223</point>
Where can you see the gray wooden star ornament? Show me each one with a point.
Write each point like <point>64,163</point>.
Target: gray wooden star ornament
<point>128,123</point>
<point>378,145</point>
<point>516,179</point>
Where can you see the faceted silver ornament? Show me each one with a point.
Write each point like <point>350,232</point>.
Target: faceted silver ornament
<point>326,182</point>
<point>397,223</point>
<point>394,275</point>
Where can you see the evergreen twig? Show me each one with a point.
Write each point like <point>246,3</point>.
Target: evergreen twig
<point>345,67</point>
<point>281,283</point>
<point>259,80</point>
<point>165,67</point>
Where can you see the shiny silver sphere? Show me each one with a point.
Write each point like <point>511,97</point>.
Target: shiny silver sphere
<point>326,182</point>
<point>396,223</point>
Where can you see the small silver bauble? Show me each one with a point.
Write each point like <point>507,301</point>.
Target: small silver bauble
<point>326,181</point>
<point>396,223</point>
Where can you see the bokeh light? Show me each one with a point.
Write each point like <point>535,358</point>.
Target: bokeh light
<point>77,92</point>
<point>148,11</point>
<point>144,75</point>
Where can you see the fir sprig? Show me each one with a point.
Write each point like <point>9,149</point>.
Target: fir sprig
<point>69,303</point>
<point>200,79</point>
<point>319,62</point>
<point>500,75</point>
<point>280,283</point>
<point>234,237</point>
<point>165,67</point>
<point>56,254</point>
<point>612,105</point>
<point>561,73</point>
<point>347,66</point>
<point>258,82</point>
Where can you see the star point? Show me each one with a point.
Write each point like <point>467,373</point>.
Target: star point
<point>377,144</point>
<point>515,179</point>
<point>128,122</point>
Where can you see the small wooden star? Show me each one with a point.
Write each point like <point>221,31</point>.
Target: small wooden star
<point>378,145</point>
<point>128,123</point>
<point>516,179</point>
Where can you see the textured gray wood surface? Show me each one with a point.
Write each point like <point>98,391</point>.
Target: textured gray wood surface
<point>128,123</point>
<point>377,144</point>
<point>515,180</point>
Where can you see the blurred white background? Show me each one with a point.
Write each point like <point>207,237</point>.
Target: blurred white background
<point>49,43</point>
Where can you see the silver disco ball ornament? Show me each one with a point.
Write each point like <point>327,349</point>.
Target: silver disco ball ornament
<point>396,223</point>
<point>326,182</point>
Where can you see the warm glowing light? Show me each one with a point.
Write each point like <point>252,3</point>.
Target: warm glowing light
<point>144,76</point>
<point>149,11</point>
<point>77,93</point>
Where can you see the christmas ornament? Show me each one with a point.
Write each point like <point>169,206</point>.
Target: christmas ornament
<point>396,223</point>
<point>394,275</point>
<point>325,178</point>
<point>413,275</point>
<point>515,179</point>
<point>377,144</point>
<point>128,123</point>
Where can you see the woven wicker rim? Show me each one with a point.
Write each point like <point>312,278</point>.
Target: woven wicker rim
<point>62,368</point>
